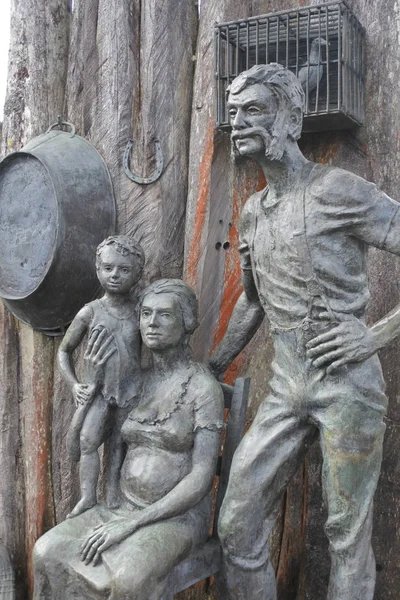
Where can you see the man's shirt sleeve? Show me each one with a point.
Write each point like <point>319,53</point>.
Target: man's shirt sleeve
<point>351,203</point>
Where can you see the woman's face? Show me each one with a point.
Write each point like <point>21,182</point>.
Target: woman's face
<point>161,322</point>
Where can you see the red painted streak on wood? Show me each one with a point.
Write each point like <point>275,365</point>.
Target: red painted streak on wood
<point>232,285</point>
<point>39,506</point>
<point>232,277</point>
<point>201,206</point>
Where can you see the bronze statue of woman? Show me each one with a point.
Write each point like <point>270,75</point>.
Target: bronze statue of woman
<point>172,441</point>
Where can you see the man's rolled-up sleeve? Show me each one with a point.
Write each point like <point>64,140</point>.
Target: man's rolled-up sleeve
<point>351,203</point>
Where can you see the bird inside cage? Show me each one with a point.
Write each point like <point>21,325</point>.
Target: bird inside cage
<point>313,69</point>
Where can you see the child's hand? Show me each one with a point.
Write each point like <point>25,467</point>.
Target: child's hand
<point>83,393</point>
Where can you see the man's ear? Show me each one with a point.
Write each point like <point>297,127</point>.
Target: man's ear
<point>295,123</point>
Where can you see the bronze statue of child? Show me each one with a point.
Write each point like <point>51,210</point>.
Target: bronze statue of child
<point>103,406</point>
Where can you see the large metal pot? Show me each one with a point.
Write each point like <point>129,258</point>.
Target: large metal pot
<point>56,205</point>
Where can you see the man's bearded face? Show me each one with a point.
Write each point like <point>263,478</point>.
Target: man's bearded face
<point>254,114</point>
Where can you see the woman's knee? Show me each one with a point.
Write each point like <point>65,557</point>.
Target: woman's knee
<point>133,584</point>
<point>40,554</point>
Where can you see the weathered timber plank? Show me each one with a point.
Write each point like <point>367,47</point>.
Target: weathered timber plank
<point>36,70</point>
<point>36,85</point>
<point>102,81</point>
<point>156,212</point>
<point>209,203</point>
<point>36,390</point>
<point>12,501</point>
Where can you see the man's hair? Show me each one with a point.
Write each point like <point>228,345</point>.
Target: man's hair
<point>184,294</point>
<point>125,245</point>
<point>283,83</point>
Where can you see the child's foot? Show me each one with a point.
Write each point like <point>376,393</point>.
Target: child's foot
<point>83,504</point>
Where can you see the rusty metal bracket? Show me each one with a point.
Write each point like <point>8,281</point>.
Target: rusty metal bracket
<point>157,172</point>
<point>60,123</point>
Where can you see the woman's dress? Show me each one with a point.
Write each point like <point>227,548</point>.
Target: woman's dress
<point>158,457</point>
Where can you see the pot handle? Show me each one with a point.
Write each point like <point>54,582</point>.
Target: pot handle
<point>60,124</point>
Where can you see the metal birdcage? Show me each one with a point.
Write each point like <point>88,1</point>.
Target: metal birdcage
<point>323,45</point>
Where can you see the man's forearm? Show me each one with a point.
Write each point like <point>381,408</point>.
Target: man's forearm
<point>387,329</point>
<point>246,318</point>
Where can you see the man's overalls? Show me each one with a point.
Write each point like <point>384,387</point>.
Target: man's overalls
<point>344,409</point>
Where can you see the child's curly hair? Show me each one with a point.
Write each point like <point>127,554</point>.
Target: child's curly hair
<point>125,245</point>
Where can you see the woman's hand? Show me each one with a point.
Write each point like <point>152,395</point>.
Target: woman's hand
<point>350,341</point>
<point>83,393</point>
<point>104,536</point>
<point>100,347</point>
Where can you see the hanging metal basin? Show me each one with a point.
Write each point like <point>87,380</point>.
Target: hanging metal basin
<point>56,206</point>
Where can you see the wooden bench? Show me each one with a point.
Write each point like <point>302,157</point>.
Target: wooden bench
<point>206,560</point>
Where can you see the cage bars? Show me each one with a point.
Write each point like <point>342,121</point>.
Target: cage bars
<point>334,85</point>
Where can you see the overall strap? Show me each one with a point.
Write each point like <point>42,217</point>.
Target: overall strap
<point>314,287</point>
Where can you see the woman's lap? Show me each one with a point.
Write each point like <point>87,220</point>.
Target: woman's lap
<point>138,562</point>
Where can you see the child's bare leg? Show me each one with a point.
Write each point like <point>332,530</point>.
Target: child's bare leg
<point>74,432</point>
<point>91,438</point>
<point>116,457</point>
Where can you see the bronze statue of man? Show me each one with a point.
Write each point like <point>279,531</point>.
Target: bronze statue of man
<point>303,246</point>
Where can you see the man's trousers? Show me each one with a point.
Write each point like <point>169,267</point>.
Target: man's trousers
<point>346,409</point>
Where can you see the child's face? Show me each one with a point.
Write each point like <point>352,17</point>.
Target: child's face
<point>117,273</point>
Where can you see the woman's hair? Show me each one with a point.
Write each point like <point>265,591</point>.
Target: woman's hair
<point>184,294</point>
<point>125,245</point>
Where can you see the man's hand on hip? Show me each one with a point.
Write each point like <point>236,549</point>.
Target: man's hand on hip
<point>349,341</point>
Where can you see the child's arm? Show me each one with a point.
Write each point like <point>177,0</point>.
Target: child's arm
<point>73,337</point>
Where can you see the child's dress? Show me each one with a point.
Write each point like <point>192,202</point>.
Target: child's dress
<point>122,378</point>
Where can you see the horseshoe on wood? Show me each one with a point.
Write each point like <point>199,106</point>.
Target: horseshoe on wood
<point>157,172</point>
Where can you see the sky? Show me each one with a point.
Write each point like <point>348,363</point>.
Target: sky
<point>4,43</point>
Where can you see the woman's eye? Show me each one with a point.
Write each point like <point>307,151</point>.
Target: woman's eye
<point>108,269</point>
<point>125,271</point>
<point>145,313</point>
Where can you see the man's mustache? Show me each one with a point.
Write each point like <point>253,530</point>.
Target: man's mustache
<point>251,132</point>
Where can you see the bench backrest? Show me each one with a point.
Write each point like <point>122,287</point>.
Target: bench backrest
<point>236,399</point>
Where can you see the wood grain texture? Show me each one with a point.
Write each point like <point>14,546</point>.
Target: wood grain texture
<point>36,88</point>
<point>116,70</point>
<point>12,501</point>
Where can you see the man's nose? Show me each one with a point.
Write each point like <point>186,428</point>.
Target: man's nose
<point>153,319</point>
<point>238,121</point>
